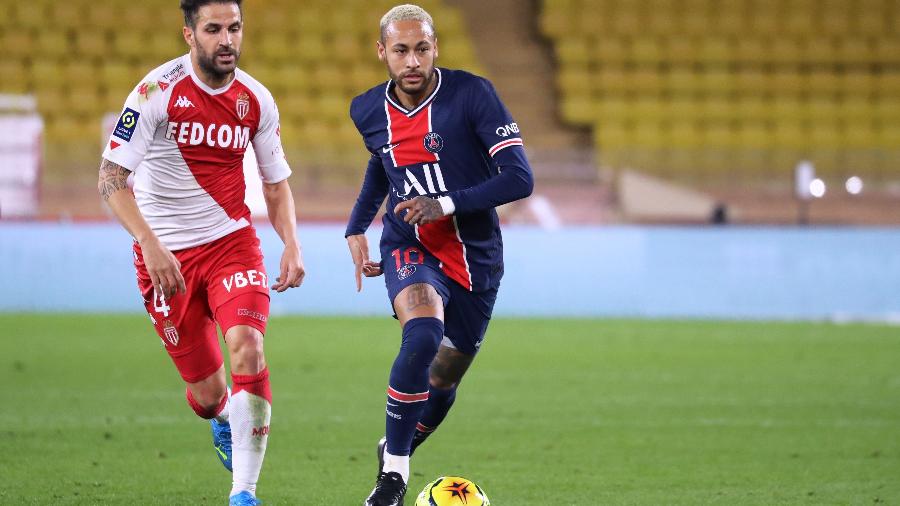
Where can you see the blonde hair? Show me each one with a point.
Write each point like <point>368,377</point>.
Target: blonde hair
<point>406,12</point>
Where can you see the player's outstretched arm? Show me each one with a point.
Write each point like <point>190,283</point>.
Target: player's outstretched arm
<point>280,204</point>
<point>163,267</point>
<point>372,193</point>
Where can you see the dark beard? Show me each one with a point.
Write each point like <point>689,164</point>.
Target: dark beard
<point>208,65</point>
<point>415,92</point>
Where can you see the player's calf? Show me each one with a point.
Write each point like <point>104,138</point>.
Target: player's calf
<point>408,390</point>
<point>439,403</point>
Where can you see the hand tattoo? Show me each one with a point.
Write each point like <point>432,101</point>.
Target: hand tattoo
<point>113,178</point>
<point>429,209</point>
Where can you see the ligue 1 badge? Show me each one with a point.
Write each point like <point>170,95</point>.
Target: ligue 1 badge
<point>433,142</point>
<point>243,104</point>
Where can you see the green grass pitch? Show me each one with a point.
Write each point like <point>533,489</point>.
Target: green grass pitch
<point>585,412</point>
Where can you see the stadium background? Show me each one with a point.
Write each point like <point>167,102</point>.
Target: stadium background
<point>645,120</point>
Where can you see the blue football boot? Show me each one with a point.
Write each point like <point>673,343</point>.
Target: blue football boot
<point>243,499</point>
<point>221,433</point>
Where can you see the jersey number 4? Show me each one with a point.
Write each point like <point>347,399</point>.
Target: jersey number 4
<point>159,304</point>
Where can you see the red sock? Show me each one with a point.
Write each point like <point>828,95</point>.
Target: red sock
<point>256,384</point>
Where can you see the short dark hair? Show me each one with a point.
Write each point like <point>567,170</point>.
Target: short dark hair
<point>190,8</point>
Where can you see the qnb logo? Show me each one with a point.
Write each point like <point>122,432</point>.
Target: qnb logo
<point>261,431</point>
<point>253,277</point>
<point>195,134</point>
<point>183,102</point>
<point>432,176</point>
<point>507,130</point>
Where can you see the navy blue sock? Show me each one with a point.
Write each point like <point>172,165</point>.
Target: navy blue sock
<point>439,403</point>
<point>408,386</point>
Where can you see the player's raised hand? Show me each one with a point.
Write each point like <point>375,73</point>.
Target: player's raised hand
<point>420,211</point>
<point>292,271</point>
<point>359,250</point>
<point>162,266</point>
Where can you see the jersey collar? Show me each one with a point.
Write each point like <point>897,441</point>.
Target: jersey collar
<point>189,65</point>
<point>424,104</point>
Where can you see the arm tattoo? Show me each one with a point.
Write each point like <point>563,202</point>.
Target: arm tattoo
<point>113,178</point>
<point>419,295</point>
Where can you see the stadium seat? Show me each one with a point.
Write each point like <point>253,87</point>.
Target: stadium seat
<point>605,51</point>
<point>18,43</point>
<point>646,51</point>
<point>66,14</point>
<point>887,50</point>
<point>750,50</point>
<point>45,75</point>
<point>30,15</point>
<point>119,78</point>
<point>610,79</point>
<point>752,108</point>
<point>12,79</point>
<point>681,50</point>
<point>819,50</point>
<point>91,44</point>
<point>870,21</point>
<point>54,44</point>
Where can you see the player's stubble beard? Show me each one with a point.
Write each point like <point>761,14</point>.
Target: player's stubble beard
<point>419,90</point>
<point>209,66</point>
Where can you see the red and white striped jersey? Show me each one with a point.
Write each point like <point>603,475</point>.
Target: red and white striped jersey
<point>185,144</point>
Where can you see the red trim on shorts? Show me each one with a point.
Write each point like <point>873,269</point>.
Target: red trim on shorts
<point>402,397</point>
<point>256,384</point>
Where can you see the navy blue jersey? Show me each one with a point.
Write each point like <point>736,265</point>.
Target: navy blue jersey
<point>460,142</point>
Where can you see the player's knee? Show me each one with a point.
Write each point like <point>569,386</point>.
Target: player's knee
<point>448,368</point>
<point>210,399</point>
<point>207,396</point>
<point>245,344</point>
<point>421,338</point>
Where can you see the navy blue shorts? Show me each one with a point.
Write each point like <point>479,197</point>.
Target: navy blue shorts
<point>466,314</point>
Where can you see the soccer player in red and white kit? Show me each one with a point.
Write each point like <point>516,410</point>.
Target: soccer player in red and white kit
<point>183,134</point>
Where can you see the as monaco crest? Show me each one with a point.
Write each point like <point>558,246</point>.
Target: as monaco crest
<point>171,332</point>
<point>243,104</point>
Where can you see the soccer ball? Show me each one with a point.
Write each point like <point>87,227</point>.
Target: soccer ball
<point>452,491</point>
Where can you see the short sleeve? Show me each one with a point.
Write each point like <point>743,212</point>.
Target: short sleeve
<point>273,167</point>
<point>130,139</point>
<point>491,120</point>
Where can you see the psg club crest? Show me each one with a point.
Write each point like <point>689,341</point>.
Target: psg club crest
<point>171,332</point>
<point>433,142</point>
<point>405,272</point>
<point>243,104</point>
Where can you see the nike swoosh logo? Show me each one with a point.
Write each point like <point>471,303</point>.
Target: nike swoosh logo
<point>224,457</point>
<point>392,405</point>
<point>389,148</point>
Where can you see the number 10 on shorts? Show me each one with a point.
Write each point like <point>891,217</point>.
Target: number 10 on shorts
<point>409,256</point>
